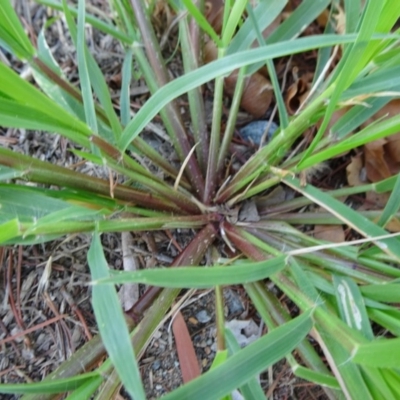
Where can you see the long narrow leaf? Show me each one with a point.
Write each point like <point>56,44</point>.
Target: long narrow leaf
<point>348,216</point>
<point>217,68</point>
<point>247,363</point>
<point>112,325</point>
<point>199,277</point>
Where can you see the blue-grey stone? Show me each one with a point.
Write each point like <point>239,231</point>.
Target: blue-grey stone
<point>203,317</point>
<point>254,131</point>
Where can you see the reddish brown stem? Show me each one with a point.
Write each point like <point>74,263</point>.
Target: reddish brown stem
<point>242,244</point>
<point>172,114</point>
<point>42,172</point>
<point>191,255</point>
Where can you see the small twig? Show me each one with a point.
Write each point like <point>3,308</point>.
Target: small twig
<point>185,162</point>
<point>77,311</point>
<point>33,329</point>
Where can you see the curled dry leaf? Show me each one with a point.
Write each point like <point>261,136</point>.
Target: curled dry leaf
<point>382,156</point>
<point>375,201</point>
<point>257,93</point>
<point>392,149</point>
<point>340,18</point>
<point>354,171</point>
<point>297,91</point>
<point>393,225</point>
<point>187,357</point>
<point>214,10</point>
<point>330,233</point>
<point>375,163</point>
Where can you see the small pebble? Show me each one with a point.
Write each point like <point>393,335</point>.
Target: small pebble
<point>254,131</point>
<point>156,365</point>
<point>234,302</point>
<point>203,316</point>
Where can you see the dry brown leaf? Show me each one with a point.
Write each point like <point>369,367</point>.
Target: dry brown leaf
<point>187,357</point>
<point>382,157</point>
<point>323,18</point>
<point>340,18</point>
<point>354,171</point>
<point>335,117</point>
<point>214,11</point>
<point>393,225</point>
<point>129,292</point>
<point>375,163</point>
<point>297,91</point>
<point>375,201</point>
<point>249,212</point>
<point>330,233</point>
<point>257,93</point>
<point>392,148</point>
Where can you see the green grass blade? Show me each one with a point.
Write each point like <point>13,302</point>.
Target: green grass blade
<point>27,204</point>
<point>9,230</point>
<point>217,68</point>
<point>247,363</point>
<point>352,9</point>
<point>16,115</point>
<point>283,115</point>
<point>29,108</point>
<point>373,132</point>
<point>199,277</point>
<point>54,386</point>
<point>384,79</point>
<point>86,389</point>
<point>389,319</point>
<point>112,325</point>
<point>235,15</point>
<point>383,353</point>
<point>352,306</point>
<point>265,13</point>
<point>298,20</point>
<point>358,115</point>
<point>83,69</point>
<point>55,92</point>
<point>392,206</point>
<point>347,373</point>
<point>303,15</point>
<point>9,173</point>
<point>12,34</point>
<point>316,377</point>
<point>389,293</point>
<point>348,216</point>
<point>377,380</point>
<point>346,68</point>
<point>102,26</point>
<point>199,17</point>
<point>251,390</point>
<point>125,96</point>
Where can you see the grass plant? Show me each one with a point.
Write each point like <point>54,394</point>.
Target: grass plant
<point>347,294</point>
